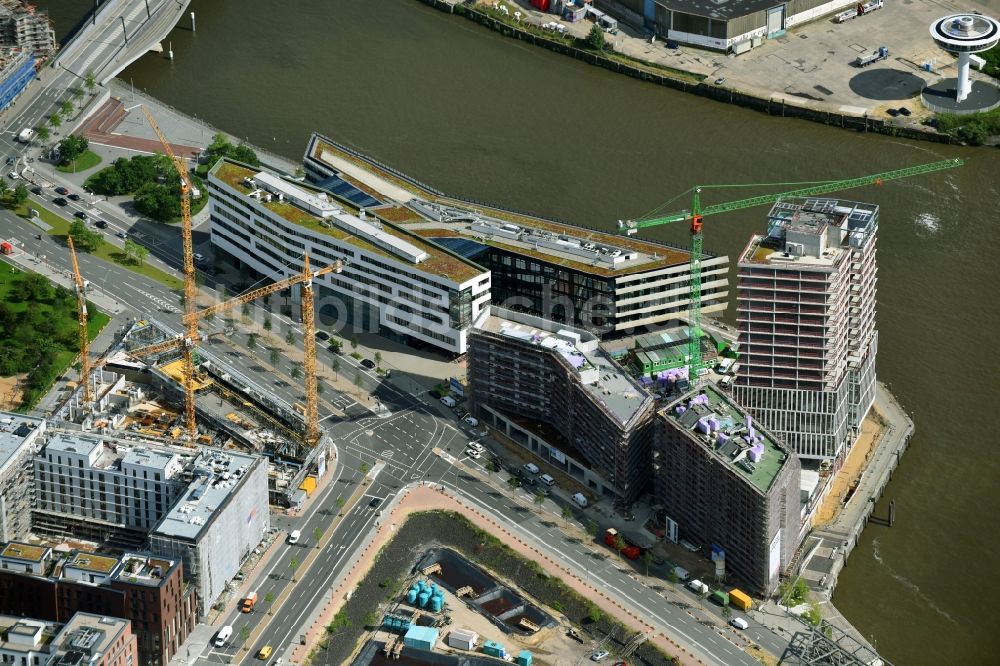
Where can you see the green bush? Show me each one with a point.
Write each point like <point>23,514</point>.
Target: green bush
<point>974,128</point>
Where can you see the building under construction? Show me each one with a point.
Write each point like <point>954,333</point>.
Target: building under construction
<point>24,26</point>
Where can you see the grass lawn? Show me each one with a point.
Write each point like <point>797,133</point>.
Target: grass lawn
<point>88,160</point>
<point>66,323</point>
<point>107,251</point>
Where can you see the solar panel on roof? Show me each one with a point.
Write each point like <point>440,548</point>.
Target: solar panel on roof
<point>461,246</point>
<point>340,187</point>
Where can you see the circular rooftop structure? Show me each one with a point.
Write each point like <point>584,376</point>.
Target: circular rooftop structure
<point>966,33</point>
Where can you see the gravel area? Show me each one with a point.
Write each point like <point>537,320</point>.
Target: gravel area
<point>398,558</point>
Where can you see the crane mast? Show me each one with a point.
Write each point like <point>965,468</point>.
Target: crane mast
<point>81,314</point>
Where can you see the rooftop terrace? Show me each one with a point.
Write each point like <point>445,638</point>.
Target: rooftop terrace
<point>23,551</point>
<point>95,563</point>
<point>432,258</point>
<point>604,380</point>
<point>723,428</point>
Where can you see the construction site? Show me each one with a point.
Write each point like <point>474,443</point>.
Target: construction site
<point>164,385</point>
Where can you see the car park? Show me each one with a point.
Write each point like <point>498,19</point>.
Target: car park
<point>531,468</point>
<point>62,190</point>
<point>739,623</point>
<point>59,201</point>
<point>368,363</point>
<point>294,537</point>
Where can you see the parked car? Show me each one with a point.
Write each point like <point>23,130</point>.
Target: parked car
<point>547,480</point>
<point>13,175</point>
<point>322,335</point>
<point>59,201</point>
<point>904,111</point>
<point>477,446</point>
<point>687,545</point>
<point>739,623</point>
<point>471,420</point>
<point>368,363</point>
<point>600,654</point>
<point>294,537</point>
<point>223,636</point>
<point>62,190</point>
<point>448,401</point>
<point>472,453</point>
<point>580,500</point>
<point>199,258</point>
<point>531,468</point>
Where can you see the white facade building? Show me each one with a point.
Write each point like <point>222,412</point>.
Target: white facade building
<point>218,521</point>
<point>806,316</point>
<point>20,438</point>
<point>393,282</point>
<point>101,480</point>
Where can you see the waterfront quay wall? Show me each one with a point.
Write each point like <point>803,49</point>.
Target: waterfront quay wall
<point>776,105</point>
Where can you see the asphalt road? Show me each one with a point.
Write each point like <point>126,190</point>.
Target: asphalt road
<point>404,440</point>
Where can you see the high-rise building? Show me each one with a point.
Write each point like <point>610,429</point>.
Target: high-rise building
<point>728,484</point>
<point>551,389</point>
<point>20,440</point>
<point>806,318</point>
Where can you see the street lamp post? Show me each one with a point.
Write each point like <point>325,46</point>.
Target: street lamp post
<point>125,32</point>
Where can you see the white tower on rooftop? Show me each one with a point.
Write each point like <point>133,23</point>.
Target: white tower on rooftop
<point>965,34</point>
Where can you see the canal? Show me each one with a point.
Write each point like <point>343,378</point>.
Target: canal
<point>479,115</point>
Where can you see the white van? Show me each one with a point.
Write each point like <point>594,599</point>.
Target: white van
<point>223,636</point>
<point>294,537</point>
<point>580,500</point>
<point>531,468</point>
<point>547,480</point>
<point>739,623</point>
<point>448,401</point>
<point>472,421</point>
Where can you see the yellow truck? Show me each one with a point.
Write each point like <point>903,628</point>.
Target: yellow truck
<point>740,599</point>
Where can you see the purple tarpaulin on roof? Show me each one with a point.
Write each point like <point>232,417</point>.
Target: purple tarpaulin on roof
<point>645,381</point>
<point>756,453</point>
<point>703,425</point>
<point>576,361</point>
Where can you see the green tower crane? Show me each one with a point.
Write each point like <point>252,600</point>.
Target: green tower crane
<point>696,213</point>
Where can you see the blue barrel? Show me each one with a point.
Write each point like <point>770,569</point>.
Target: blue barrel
<point>434,589</point>
<point>411,596</point>
<point>436,602</point>
<point>422,599</point>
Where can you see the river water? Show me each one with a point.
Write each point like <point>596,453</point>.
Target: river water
<point>478,115</point>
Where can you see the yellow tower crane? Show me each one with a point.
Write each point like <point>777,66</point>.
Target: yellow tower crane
<point>305,277</point>
<point>81,314</point>
<point>190,289</point>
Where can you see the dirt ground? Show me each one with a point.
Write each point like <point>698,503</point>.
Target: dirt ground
<point>10,398</point>
<point>854,466</point>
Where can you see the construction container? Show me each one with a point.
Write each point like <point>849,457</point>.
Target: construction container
<point>524,658</point>
<point>740,599</point>
<point>411,596</point>
<point>720,598</point>
<point>6,248</point>
<point>494,649</point>
<point>463,639</point>
<point>422,638</point>
<point>396,624</point>
<point>308,485</point>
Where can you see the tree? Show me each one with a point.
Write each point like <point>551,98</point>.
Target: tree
<point>567,513</point>
<point>492,467</point>
<point>159,202</point>
<point>4,188</point>
<point>55,120</point>
<point>20,194</point>
<point>539,498</point>
<point>244,634</point>
<point>594,613</point>
<point>647,559</point>
<point>43,133</point>
<point>66,108</point>
<point>141,252</point>
<point>378,359</point>
<point>295,373</point>
<point>363,468</point>
<point>358,382</point>
<point>269,600</point>
<point>293,565</point>
<point>245,311</point>
<point>72,147</point>
<point>319,388</point>
<point>672,576</point>
<point>77,94</point>
<point>88,80</point>
<point>317,535</point>
<point>514,483</point>
<point>335,366</point>
<point>340,502</point>
<point>591,527</point>
<point>83,238</point>
<point>290,336</point>
<point>251,340</point>
<point>620,545</point>
<point>32,288</point>
<point>274,356</point>
<point>727,612</point>
<point>335,345</point>
<point>595,38</point>
<point>354,344</point>
<point>267,323</point>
